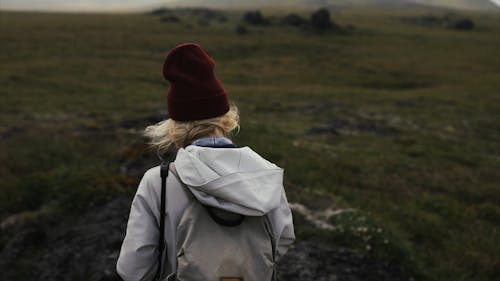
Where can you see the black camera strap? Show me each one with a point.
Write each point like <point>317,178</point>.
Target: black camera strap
<point>161,240</point>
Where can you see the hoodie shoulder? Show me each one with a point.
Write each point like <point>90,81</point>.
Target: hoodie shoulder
<point>242,158</point>
<point>234,179</point>
<point>152,173</point>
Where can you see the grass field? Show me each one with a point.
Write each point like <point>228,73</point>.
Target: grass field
<point>400,122</point>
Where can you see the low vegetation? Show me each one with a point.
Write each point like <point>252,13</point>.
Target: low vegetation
<point>448,20</point>
<point>396,121</point>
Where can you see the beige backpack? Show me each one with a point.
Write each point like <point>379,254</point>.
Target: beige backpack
<point>216,245</point>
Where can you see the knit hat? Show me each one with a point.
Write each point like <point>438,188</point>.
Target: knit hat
<point>195,92</point>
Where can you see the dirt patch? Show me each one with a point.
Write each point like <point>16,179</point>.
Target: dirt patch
<point>353,127</point>
<point>59,250</point>
<point>137,158</point>
<point>143,121</point>
<point>10,132</point>
<point>279,107</point>
<point>313,261</point>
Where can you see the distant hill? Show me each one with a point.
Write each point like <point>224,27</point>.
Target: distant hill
<point>457,4</point>
<point>461,4</point>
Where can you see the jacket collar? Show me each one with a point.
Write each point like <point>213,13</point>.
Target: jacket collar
<point>216,142</point>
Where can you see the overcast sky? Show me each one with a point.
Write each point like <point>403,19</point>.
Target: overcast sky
<point>79,5</point>
<point>88,5</point>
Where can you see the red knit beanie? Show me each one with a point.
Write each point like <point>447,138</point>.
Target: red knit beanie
<point>195,92</point>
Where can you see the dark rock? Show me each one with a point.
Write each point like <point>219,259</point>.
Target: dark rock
<point>426,20</point>
<point>241,30</point>
<point>321,19</point>
<point>294,20</point>
<point>159,12</point>
<point>462,24</point>
<point>205,15</point>
<point>170,18</point>
<point>204,12</point>
<point>255,18</point>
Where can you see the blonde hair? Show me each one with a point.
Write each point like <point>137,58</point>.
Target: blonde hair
<point>169,134</point>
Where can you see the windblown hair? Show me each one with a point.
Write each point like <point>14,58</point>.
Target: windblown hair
<point>169,134</point>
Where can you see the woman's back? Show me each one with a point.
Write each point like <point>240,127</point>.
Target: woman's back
<point>210,171</point>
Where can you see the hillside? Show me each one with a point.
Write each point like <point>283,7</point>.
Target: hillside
<point>461,4</point>
<point>453,4</point>
<point>387,128</point>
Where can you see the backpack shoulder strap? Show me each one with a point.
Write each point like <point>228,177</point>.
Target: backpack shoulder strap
<point>164,168</point>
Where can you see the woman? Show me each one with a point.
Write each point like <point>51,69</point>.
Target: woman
<point>208,165</point>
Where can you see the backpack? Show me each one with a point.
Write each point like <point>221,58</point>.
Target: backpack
<point>217,245</point>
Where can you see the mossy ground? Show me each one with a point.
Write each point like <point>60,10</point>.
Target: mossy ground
<point>398,121</point>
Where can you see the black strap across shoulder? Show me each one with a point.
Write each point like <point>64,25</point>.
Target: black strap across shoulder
<point>161,239</point>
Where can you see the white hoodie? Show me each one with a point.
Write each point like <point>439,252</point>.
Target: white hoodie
<point>234,179</point>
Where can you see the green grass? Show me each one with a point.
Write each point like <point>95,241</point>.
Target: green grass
<point>431,185</point>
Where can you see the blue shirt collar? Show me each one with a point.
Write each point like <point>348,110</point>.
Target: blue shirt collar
<point>218,142</point>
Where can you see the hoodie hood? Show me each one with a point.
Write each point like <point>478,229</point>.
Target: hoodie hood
<point>233,179</point>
